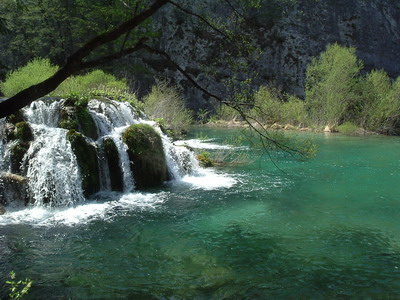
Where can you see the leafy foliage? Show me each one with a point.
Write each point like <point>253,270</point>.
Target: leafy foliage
<point>34,72</point>
<point>84,84</point>
<point>381,102</point>
<point>332,83</point>
<point>348,128</point>
<point>165,102</point>
<point>18,288</point>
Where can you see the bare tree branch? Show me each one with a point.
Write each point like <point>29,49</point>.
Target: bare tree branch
<point>108,58</point>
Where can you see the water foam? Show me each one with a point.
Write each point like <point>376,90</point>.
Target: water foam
<point>84,213</point>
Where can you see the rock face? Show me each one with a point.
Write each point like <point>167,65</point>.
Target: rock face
<point>146,154</point>
<point>289,33</point>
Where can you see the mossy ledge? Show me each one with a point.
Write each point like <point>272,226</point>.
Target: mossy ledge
<point>75,116</point>
<point>146,154</point>
<point>86,155</point>
<point>112,158</point>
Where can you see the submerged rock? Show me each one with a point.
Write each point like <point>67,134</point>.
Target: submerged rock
<point>13,188</point>
<point>146,153</point>
<point>112,157</point>
<point>2,210</point>
<point>88,163</point>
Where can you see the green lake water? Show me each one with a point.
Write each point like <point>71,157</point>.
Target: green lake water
<point>327,228</point>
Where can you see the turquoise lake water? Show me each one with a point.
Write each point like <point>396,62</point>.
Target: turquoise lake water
<point>327,228</point>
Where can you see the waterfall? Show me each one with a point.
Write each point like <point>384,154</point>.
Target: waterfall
<point>111,120</point>
<point>51,166</point>
<point>43,113</point>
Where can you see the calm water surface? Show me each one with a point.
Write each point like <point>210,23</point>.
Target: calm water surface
<point>326,228</point>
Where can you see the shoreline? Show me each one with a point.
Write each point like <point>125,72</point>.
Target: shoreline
<point>288,127</point>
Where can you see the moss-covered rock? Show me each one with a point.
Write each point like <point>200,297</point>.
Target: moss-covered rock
<point>23,132</point>
<point>77,117</point>
<point>86,155</point>
<point>112,157</point>
<point>86,123</point>
<point>18,151</point>
<point>146,154</point>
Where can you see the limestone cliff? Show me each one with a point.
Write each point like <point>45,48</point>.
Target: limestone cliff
<point>289,33</point>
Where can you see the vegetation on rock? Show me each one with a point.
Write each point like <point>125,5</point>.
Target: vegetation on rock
<point>146,154</point>
<point>23,132</point>
<point>205,160</point>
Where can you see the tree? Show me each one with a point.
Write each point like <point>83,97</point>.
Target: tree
<point>332,82</point>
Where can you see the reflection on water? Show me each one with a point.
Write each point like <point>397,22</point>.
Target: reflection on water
<point>327,229</point>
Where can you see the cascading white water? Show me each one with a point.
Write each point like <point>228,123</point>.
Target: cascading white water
<point>180,160</point>
<point>45,113</point>
<point>52,170</point>
<point>111,119</point>
<point>51,166</point>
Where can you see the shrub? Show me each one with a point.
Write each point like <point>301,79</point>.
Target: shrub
<point>204,159</point>
<point>83,84</point>
<point>226,113</point>
<point>294,111</point>
<point>332,84</point>
<point>34,72</point>
<point>381,103</point>
<point>348,128</point>
<point>165,102</point>
<point>267,105</point>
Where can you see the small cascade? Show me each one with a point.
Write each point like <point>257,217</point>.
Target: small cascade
<point>49,164</point>
<point>111,119</point>
<point>43,113</point>
<point>49,160</point>
<point>52,170</point>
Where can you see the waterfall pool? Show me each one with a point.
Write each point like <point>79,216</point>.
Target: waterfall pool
<point>325,228</point>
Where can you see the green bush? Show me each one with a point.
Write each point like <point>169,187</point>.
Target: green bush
<point>267,105</point>
<point>381,103</point>
<point>34,72</point>
<point>294,111</point>
<point>39,69</point>
<point>348,128</point>
<point>95,80</point>
<point>332,85</point>
<point>165,102</point>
